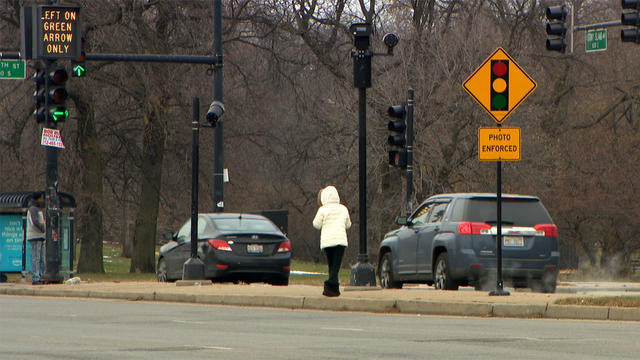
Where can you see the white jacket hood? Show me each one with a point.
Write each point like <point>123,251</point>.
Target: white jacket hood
<point>330,195</point>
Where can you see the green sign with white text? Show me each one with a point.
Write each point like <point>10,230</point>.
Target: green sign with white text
<point>595,40</point>
<point>12,69</point>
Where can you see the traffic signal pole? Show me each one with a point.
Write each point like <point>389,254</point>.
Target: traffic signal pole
<point>410,106</point>
<point>52,209</point>
<point>218,149</point>
<point>362,273</point>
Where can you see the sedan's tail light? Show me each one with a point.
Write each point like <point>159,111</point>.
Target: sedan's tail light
<point>547,229</point>
<point>472,228</point>
<point>219,244</point>
<point>285,246</point>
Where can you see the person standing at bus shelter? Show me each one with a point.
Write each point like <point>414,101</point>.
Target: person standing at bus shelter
<point>36,237</point>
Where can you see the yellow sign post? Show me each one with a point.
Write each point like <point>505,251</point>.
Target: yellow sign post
<point>499,85</point>
<point>499,144</point>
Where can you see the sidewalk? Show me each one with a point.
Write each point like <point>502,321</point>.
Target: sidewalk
<point>409,300</point>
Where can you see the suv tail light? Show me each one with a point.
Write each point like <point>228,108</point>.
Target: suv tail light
<point>547,229</point>
<point>219,244</point>
<point>285,246</point>
<point>472,228</point>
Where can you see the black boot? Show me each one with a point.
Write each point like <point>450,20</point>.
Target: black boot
<point>331,289</point>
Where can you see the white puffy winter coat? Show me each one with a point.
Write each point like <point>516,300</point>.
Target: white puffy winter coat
<point>332,219</point>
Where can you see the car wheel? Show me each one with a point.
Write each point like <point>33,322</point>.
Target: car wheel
<point>162,271</point>
<point>385,273</point>
<point>442,275</point>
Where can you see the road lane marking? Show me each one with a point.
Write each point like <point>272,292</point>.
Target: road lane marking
<point>341,329</point>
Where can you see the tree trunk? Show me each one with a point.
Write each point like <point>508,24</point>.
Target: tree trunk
<point>90,224</point>
<point>144,239</point>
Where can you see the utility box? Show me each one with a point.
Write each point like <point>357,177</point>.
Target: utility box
<point>15,250</point>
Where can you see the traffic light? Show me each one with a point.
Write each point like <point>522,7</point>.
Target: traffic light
<point>39,96</point>
<point>397,129</point>
<point>557,28</point>
<point>50,96</point>
<point>499,85</point>
<point>631,18</point>
<point>78,65</point>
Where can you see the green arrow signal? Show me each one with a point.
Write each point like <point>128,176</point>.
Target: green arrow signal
<point>59,114</point>
<point>79,70</point>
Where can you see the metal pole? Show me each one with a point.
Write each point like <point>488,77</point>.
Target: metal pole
<point>499,284</point>
<point>363,273</point>
<point>52,257</point>
<point>363,257</point>
<point>410,105</point>
<point>195,128</point>
<point>218,150</point>
<point>193,268</point>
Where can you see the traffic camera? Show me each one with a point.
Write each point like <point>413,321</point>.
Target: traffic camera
<point>216,109</point>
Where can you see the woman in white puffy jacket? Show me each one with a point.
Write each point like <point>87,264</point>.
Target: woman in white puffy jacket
<point>332,219</point>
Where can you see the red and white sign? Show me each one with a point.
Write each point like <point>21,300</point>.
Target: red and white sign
<point>51,137</point>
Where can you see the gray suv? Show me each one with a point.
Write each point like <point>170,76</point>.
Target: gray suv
<point>450,241</point>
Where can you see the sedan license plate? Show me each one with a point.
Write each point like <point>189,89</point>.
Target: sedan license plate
<point>254,249</point>
<point>513,241</point>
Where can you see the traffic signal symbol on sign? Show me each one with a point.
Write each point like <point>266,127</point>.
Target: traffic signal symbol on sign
<point>499,85</point>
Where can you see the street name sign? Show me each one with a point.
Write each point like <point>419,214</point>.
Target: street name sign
<point>499,85</point>
<point>12,69</point>
<point>499,144</point>
<point>595,40</point>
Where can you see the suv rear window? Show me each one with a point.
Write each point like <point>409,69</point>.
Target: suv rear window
<point>519,212</point>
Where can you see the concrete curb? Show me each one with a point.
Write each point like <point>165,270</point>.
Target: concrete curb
<point>549,311</point>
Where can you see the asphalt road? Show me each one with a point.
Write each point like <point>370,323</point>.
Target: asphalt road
<point>62,328</point>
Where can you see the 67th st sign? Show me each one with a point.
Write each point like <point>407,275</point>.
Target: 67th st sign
<point>499,144</point>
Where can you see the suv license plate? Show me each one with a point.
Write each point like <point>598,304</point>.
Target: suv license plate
<point>513,241</point>
<point>254,249</point>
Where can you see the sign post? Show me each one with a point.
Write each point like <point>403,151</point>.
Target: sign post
<point>499,85</point>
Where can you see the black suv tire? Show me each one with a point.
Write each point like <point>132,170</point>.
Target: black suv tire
<point>385,273</point>
<point>442,275</point>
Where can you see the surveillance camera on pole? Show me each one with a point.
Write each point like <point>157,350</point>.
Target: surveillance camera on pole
<point>391,40</point>
<point>216,109</point>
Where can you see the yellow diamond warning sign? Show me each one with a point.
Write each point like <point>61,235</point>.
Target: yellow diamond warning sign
<point>499,144</point>
<point>499,85</point>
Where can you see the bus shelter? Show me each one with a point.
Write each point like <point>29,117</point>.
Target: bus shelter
<point>15,250</point>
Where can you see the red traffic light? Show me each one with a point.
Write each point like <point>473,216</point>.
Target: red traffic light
<point>397,111</point>
<point>559,12</point>
<point>58,76</point>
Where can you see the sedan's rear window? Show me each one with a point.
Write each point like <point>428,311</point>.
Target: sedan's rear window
<point>519,212</point>
<point>240,224</point>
